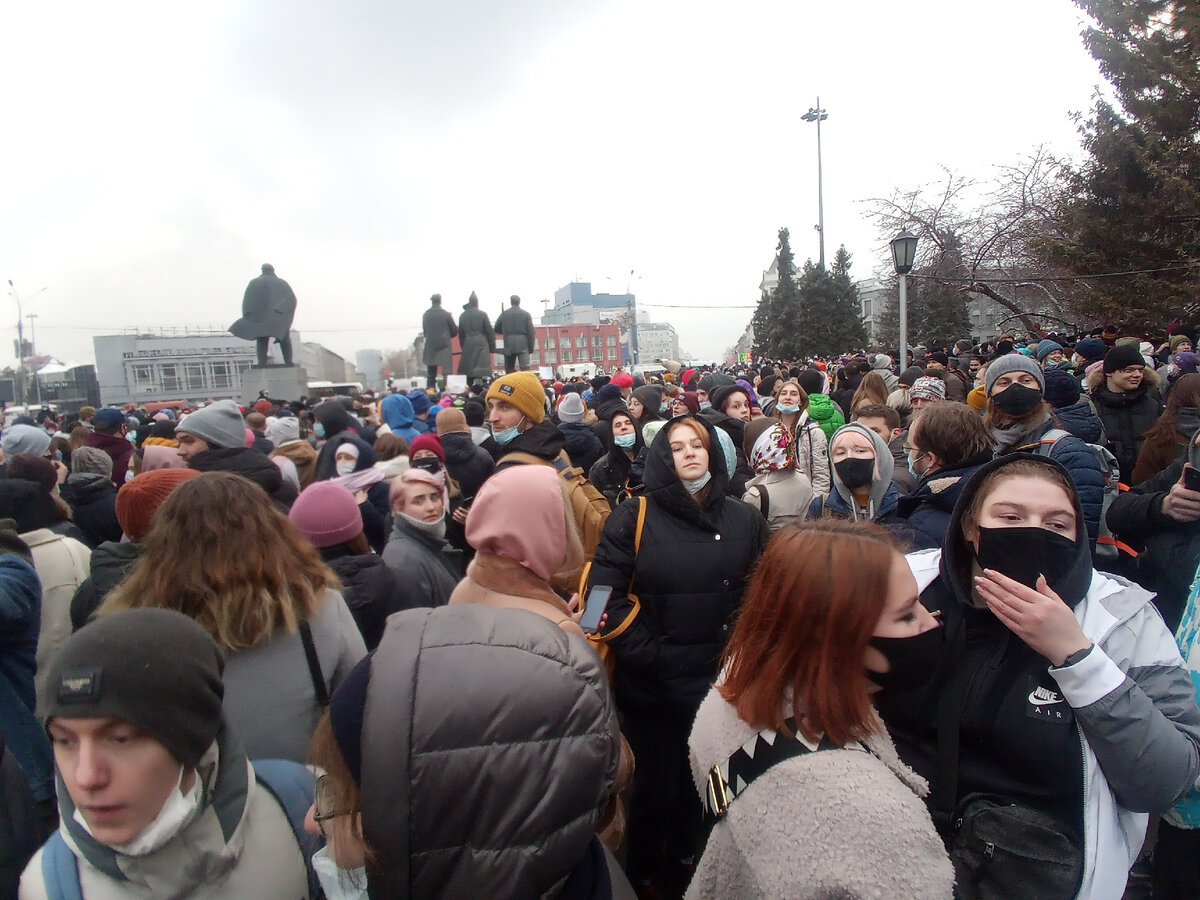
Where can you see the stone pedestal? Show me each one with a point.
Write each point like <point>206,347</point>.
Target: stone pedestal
<point>280,383</point>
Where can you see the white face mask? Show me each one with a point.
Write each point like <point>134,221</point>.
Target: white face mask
<point>339,884</point>
<point>176,813</point>
<point>346,467</point>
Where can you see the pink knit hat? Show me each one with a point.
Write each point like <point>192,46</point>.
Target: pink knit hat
<point>327,514</point>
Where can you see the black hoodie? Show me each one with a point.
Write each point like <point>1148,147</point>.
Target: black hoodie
<point>543,440</point>
<point>249,464</point>
<point>691,568</point>
<point>1016,741</point>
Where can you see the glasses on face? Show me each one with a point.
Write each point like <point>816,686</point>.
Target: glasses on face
<point>325,800</point>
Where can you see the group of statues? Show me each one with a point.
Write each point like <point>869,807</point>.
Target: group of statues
<point>269,306</point>
<point>477,337</point>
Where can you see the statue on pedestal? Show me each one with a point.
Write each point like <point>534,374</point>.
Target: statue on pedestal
<point>478,341</point>
<point>267,311</point>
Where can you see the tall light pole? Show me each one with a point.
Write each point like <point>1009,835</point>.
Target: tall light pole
<point>22,399</point>
<point>37,382</point>
<point>818,115</point>
<point>904,251</point>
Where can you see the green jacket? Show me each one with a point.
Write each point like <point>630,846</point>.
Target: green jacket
<point>825,413</point>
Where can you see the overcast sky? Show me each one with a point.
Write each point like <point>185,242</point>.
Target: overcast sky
<point>155,154</point>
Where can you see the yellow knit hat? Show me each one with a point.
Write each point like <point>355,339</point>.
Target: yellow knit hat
<point>977,398</point>
<point>522,390</point>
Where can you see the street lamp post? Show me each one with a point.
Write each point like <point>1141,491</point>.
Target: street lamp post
<point>21,398</point>
<point>904,251</point>
<point>818,115</point>
<point>37,382</point>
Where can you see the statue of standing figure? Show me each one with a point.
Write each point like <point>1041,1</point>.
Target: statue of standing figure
<point>268,307</point>
<point>478,340</point>
<point>439,329</point>
<point>516,326</point>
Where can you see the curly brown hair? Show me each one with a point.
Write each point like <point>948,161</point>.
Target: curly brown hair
<point>220,552</point>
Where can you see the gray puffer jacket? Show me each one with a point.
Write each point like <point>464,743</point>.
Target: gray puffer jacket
<point>484,776</point>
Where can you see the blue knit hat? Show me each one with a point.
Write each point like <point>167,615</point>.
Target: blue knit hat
<point>1046,347</point>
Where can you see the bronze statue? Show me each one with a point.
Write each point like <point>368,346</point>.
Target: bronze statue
<point>267,311</point>
<point>439,329</point>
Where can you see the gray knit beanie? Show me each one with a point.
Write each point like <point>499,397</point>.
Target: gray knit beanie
<point>24,439</point>
<point>571,409</point>
<point>1013,362</point>
<point>219,424</point>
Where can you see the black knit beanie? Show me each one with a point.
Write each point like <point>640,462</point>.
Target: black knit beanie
<point>1122,356</point>
<point>153,668</point>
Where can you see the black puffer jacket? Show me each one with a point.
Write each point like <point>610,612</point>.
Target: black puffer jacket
<point>249,464</point>
<point>543,440</point>
<point>689,574</point>
<point>1127,417</point>
<point>371,590</point>
<point>922,517</point>
<point>583,446</point>
<point>467,464</point>
<point>93,501</point>
<point>1169,550</point>
<point>109,564</point>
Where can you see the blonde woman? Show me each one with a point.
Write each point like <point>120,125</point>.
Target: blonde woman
<point>221,553</point>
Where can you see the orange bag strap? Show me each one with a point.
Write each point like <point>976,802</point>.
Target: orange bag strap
<point>637,606</point>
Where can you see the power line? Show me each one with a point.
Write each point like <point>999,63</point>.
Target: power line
<point>1016,280</point>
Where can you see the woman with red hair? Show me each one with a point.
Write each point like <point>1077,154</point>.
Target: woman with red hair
<point>830,617</point>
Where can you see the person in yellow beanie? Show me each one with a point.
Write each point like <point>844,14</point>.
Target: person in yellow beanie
<point>517,414</point>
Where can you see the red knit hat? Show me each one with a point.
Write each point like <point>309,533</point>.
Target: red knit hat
<point>427,442</point>
<point>327,514</point>
<point>263,406</point>
<point>139,499</point>
<point>622,380</point>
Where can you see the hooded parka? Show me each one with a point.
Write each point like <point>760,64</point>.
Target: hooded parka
<point>1098,744</point>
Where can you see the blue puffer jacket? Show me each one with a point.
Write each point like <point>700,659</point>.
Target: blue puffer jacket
<point>20,621</point>
<point>1080,462</point>
<point>922,517</point>
<point>1080,419</point>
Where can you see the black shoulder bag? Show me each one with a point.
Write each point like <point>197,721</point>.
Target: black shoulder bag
<point>1000,850</point>
<point>314,665</point>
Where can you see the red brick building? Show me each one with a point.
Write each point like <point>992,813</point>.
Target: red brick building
<point>556,345</point>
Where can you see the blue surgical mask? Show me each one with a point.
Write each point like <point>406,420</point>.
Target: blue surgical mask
<point>625,441</point>
<point>506,436</point>
<point>696,485</point>
<point>319,430</point>
<point>913,471</point>
<point>664,406</point>
<point>705,405</point>
<point>788,410</point>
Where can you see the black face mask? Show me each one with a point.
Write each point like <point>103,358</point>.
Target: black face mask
<point>1016,399</point>
<point>855,473</point>
<point>1025,553</point>
<point>912,660</point>
<point>432,465</point>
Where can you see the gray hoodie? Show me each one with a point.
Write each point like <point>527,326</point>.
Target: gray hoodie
<point>882,497</point>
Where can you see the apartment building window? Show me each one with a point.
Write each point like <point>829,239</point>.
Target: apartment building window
<point>193,374</point>
<point>143,375</point>
<point>581,340</point>
<point>222,375</point>
<point>596,340</point>
<point>611,340</point>
<point>612,353</point>
<point>170,377</point>
<point>551,343</point>
<point>566,356</point>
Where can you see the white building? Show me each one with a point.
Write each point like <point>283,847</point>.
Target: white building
<point>170,364</point>
<point>657,340</point>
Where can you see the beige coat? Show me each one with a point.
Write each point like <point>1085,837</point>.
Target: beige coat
<point>832,823</point>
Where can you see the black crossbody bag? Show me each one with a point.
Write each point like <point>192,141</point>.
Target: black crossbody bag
<point>1000,850</point>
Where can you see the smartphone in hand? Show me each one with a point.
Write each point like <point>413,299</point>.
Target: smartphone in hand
<point>1191,479</point>
<point>597,602</point>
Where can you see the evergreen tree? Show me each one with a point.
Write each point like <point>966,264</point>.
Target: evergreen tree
<point>937,311</point>
<point>830,320</point>
<point>785,309</point>
<point>760,324</point>
<point>1134,203</point>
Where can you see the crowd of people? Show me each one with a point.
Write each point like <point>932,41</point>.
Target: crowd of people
<point>937,619</point>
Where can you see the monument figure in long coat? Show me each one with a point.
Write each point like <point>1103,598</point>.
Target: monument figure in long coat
<point>268,307</point>
<point>439,328</point>
<point>478,340</point>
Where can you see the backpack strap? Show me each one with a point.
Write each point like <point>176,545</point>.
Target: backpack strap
<point>314,665</point>
<point>60,870</point>
<point>764,501</point>
<point>1045,444</point>
<point>293,787</point>
<point>520,456</point>
<point>728,779</point>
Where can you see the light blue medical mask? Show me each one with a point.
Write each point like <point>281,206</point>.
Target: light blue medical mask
<point>696,485</point>
<point>506,436</point>
<point>319,430</point>
<point>625,441</point>
<point>705,405</point>
<point>664,406</point>
<point>913,471</point>
<point>788,410</point>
